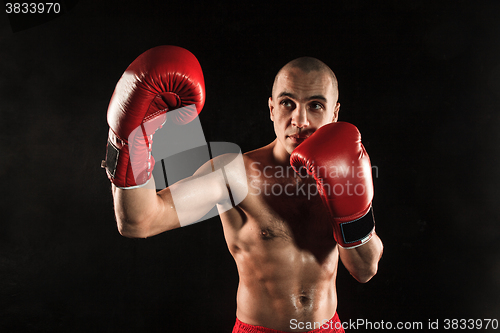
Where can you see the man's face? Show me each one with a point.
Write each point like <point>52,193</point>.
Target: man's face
<point>301,103</point>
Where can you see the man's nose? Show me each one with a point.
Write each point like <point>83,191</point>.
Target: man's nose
<point>299,117</point>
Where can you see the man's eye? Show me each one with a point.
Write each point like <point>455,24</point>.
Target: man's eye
<point>286,103</point>
<point>317,106</point>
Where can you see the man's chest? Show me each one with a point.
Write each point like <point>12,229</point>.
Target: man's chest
<point>287,209</point>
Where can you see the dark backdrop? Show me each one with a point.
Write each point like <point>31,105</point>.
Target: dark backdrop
<point>420,79</point>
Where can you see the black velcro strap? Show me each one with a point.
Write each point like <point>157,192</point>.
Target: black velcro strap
<point>357,230</point>
<point>112,154</point>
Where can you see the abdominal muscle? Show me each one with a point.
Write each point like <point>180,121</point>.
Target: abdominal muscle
<point>286,272</point>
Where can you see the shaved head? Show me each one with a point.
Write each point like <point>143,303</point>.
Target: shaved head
<point>307,65</point>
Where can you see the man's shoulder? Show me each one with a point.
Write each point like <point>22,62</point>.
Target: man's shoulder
<point>261,155</point>
<point>238,166</point>
<point>257,155</point>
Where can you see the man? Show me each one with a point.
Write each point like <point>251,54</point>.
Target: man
<point>287,234</point>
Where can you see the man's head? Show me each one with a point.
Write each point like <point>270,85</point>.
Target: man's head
<point>304,98</point>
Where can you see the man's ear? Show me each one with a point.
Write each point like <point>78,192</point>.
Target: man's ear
<point>336,113</point>
<point>271,108</point>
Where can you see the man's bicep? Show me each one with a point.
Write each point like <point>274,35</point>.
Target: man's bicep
<point>219,182</point>
<point>231,166</point>
<point>194,197</point>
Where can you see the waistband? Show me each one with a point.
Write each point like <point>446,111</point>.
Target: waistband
<point>332,326</point>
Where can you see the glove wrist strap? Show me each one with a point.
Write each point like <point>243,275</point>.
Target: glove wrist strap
<point>357,232</point>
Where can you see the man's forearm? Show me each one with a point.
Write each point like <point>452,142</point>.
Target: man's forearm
<point>362,261</point>
<point>138,211</point>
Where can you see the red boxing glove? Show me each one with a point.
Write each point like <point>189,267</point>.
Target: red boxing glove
<point>336,158</point>
<point>160,80</point>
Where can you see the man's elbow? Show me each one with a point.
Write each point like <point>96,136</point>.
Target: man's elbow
<point>366,274</point>
<point>132,229</point>
<point>127,232</point>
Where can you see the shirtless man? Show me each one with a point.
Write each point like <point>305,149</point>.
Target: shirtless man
<point>285,238</point>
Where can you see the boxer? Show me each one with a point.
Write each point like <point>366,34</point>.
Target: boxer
<point>309,191</point>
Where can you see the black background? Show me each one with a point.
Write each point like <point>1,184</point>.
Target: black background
<point>420,79</point>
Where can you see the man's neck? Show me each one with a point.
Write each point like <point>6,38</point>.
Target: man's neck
<point>280,155</point>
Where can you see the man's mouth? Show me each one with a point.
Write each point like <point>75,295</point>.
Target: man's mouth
<point>298,138</point>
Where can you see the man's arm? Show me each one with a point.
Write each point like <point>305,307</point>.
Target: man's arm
<point>141,212</point>
<point>163,84</point>
<point>347,194</point>
<point>362,261</point>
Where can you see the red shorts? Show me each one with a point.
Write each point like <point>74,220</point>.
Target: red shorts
<point>332,326</point>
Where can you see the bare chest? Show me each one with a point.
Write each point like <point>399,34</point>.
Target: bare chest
<point>283,208</point>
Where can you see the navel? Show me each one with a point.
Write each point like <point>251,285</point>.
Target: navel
<point>267,234</point>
